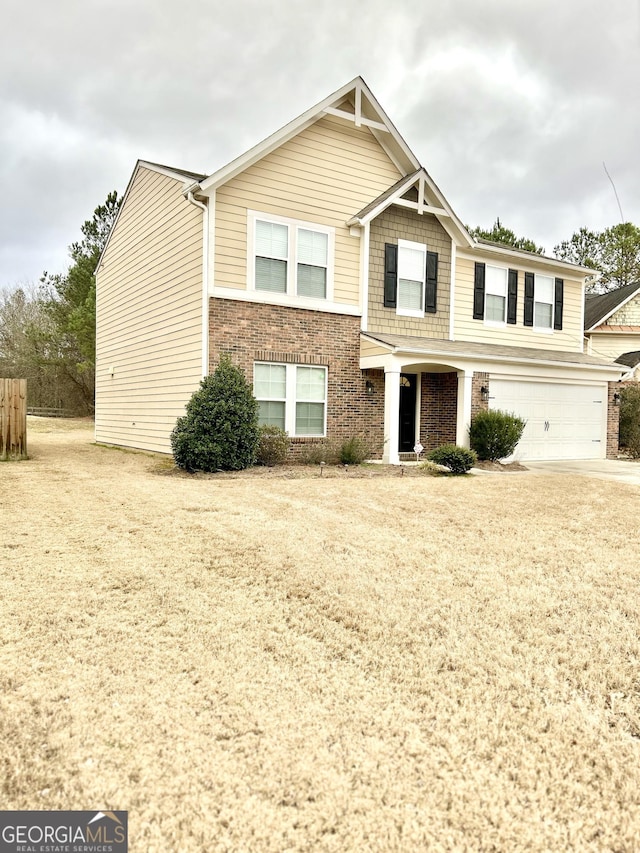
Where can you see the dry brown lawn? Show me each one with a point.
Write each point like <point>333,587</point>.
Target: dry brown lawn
<point>304,664</point>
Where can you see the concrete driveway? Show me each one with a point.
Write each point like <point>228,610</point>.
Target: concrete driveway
<point>620,470</point>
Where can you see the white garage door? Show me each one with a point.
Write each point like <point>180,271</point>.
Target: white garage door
<point>563,421</point>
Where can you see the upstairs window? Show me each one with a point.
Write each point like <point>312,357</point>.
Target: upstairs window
<point>410,278</point>
<point>290,257</point>
<point>412,258</point>
<point>495,305</point>
<point>543,302</point>
<point>272,256</point>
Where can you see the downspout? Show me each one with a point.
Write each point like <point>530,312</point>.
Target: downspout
<point>205,281</point>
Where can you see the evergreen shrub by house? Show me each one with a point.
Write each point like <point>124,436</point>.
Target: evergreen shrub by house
<point>220,428</point>
<point>494,434</point>
<point>630,420</point>
<point>273,445</point>
<point>353,451</point>
<point>458,460</point>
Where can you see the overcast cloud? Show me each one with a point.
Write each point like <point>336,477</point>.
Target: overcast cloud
<point>511,105</point>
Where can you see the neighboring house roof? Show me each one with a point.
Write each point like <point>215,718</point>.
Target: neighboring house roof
<point>599,308</point>
<point>496,352</point>
<point>630,359</point>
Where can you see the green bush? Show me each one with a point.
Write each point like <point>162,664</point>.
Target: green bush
<point>494,434</point>
<point>273,446</point>
<point>220,428</point>
<point>458,460</point>
<point>630,420</point>
<point>353,451</point>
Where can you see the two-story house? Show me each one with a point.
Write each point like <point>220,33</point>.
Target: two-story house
<point>332,269</point>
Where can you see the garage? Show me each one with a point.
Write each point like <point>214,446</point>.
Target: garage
<point>564,421</point>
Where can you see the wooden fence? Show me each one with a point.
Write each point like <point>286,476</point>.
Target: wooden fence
<point>13,419</point>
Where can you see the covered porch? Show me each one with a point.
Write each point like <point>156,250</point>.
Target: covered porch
<point>429,398</point>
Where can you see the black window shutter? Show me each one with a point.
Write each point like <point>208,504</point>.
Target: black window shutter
<point>558,305</point>
<point>390,275</point>
<point>528,298</point>
<point>431,290</point>
<point>512,296</point>
<point>478,292</point>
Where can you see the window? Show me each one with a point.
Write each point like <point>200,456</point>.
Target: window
<point>290,257</point>
<point>495,294</point>
<point>495,307</point>
<point>292,397</point>
<point>411,275</point>
<point>543,302</point>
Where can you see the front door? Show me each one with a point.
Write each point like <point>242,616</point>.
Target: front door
<point>408,390</point>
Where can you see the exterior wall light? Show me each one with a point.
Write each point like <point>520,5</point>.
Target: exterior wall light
<point>484,394</point>
<point>616,399</point>
<point>370,390</point>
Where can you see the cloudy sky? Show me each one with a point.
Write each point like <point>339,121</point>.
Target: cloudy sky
<point>511,105</point>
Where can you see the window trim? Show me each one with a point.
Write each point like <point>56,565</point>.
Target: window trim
<point>290,400</point>
<point>412,312</point>
<point>551,303</point>
<point>293,226</point>
<point>496,324</point>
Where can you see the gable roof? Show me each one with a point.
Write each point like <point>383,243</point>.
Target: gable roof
<point>427,190</point>
<point>367,112</point>
<point>599,308</point>
<point>177,174</point>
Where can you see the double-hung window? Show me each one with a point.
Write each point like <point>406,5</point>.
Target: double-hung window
<point>411,277</point>
<point>292,397</point>
<point>495,306</point>
<point>290,257</point>
<point>543,302</point>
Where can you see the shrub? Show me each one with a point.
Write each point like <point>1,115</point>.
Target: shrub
<point>494,434</point>
<point>457,459</point>
<point>322,451</point>
<point>220,428</point>
<point>273,446</point>
<point>353,451</point>
<point>630,420</point>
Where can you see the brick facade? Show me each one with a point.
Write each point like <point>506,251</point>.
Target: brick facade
<point>613,421</point>
<point>398,223</point>
<point>438,409</point>
<point>251,332</point>
<point>479,381</point>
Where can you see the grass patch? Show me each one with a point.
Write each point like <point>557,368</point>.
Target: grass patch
<point>316,663</point>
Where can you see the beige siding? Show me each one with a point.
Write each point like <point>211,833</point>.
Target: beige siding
<point>371,348</point>
<point>468,329</point>
<point>149,310</point>
<point>325,174</point>
<point>611,345</point>
<point>628,315</point>
<point>397,223</point>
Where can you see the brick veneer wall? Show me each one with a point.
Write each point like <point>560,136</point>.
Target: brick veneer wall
<point>251,332</point>
<point>438,409</point>
<point>613,421</point>
<point>477,403</point>
<point>398,223</point>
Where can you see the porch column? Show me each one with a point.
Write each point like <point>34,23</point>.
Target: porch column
<point>465,379</point>
<point>390,454</point>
